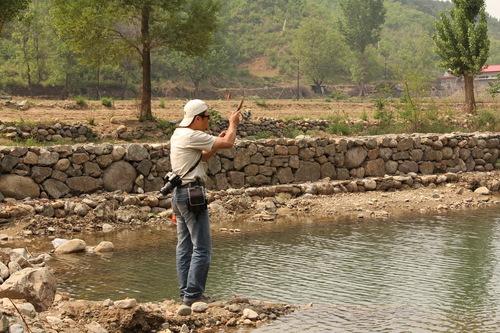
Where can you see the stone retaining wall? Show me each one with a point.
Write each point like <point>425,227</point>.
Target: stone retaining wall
<point>276,127</point>
<point>41,132</point>
<point>64,171</point>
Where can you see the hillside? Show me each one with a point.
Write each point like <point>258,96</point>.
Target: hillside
<point>253,47</point>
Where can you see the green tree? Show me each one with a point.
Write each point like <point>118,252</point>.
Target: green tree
<point>462,43</point>
<point>361,25</point>
<point>9,9</point>
<point>320,50</point>
<point>214,62</point>
<point>142,26</point>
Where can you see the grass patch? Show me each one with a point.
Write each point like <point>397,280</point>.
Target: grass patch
<point>486,120</point>
<point>166,126</point>
<point>81,101</point>
<point>261,102</point>
<point>291,132</point>
<point>162,103</point>
<point>107,102</point>
<point>263,135</point>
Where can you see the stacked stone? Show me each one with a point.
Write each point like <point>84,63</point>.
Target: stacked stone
<point>64,171</point>
<point>276,127</point>
<point>283,161</point>
<point>40,132</point>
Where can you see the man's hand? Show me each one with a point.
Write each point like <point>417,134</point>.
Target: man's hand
<point>235,118</point>
<point>222,134</point>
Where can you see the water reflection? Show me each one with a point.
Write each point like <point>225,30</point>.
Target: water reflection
<point>420,275</point>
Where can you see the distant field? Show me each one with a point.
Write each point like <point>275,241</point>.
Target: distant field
<point>124,112</point>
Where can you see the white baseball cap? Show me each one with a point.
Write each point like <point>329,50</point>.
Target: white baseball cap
<point>192,108</point>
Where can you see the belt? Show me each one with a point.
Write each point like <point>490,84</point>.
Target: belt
<point>194,183</point>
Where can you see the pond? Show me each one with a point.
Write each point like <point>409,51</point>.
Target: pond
<point>428,274</point>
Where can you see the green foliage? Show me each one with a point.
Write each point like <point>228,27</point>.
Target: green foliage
<point>166,126</point>
<point>361,26</point>
<point>263,135</point>
<point>364,116</point>
<point>462,37</point>
<point>9,9</point>
<point>81,101</point>
<point>338,95</point>
<point>384,116</point>
<point>162,103</point>
<point>261,102</point>
<point>291,132</point>
<point>339,125</point>
<point>107,102</point>
<point>320,50</point>
<point>486,120</point>
<point>215,117</point>
<point>380,103</point>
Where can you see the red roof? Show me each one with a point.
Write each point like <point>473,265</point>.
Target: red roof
<point>491,69</point>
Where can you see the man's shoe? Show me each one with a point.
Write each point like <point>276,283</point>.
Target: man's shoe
<point>202,298</point>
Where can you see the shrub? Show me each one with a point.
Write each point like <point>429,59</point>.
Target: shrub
<point>162,103</point>
<point>364,116</point>
<point>261,102</point>
<point>338,95</point>
<point>338,125</point>
<point>380,103</point>
<point>263,135</point>
<point>107,102</point>
<point>486,121</point>
<point>166,126</point>
<point>81,101</point>
<point>91,121</point>
<point>291,132</point>
<point>215,117</point>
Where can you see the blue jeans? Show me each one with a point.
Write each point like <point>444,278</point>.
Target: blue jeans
<point>194,247</point>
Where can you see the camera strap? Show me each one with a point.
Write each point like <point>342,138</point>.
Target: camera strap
<point>193,167</point>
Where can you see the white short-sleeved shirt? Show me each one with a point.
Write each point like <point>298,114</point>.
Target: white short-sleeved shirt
<point>186,146</point>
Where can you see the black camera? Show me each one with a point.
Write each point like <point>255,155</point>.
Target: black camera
<point>172,181</point>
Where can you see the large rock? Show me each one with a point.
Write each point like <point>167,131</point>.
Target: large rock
<point>308,171</point>
<point>71,246</point>
<point>84,184</point>
<point>55,188</point>
<point>47,158</point>
<point>136,152</point>
<point>39,174</point>
<point>35,285</point>
<point>285,175</point>
<point>375,168</point>
<point>119,176</point>
<point>355,157</point>
<point>104,246</point>
<point>18,187</point>
<point>241,159</point>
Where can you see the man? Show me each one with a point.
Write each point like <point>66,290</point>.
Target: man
<point>189,145</point>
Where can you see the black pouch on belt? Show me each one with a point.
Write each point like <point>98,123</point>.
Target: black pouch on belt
<point>197,200</point>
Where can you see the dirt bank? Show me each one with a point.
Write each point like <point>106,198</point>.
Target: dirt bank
<point>128,316</point>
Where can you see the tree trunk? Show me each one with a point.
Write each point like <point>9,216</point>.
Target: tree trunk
<point>146,66</point>
<point>470,101</point>
<point>196,84</point>
<point>27,63</point>
<point>38,60</point>
<point>98,74</point>
<point>362,74</point>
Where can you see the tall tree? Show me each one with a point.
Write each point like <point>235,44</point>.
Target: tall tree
<point>143,25</point>
<point>462,43</point>
<point>320,50</point>
<point>361,25</point>
<point>9,9</point>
